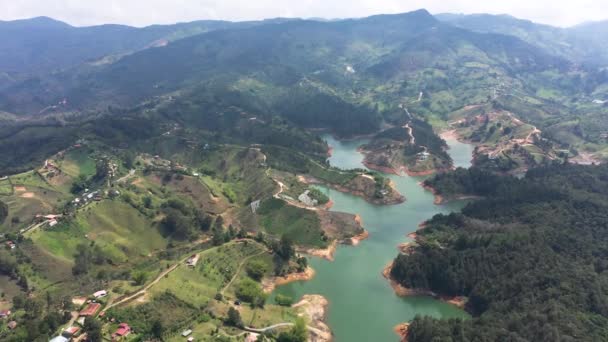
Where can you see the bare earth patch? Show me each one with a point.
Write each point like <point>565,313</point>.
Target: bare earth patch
<point>314,308</point>
<point>401,330</point>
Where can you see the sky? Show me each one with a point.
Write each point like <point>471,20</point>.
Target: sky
<point>146,12</point>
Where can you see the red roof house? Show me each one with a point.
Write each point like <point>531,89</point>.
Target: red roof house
<point>90,310</point>
<point>123,330</point>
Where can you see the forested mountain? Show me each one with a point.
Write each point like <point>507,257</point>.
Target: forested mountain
<point>585,43</point>
<point>531,257</point>
<point>348,76</point>
<point>43,45</point>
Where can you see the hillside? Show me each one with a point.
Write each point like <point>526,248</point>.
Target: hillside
<point>529,256</point>
<point>43,45</point>
<point>176,168</point>
<point>581,43</point>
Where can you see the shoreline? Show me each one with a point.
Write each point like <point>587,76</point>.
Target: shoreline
<point>355,240</point>
<point>315,307</point>
<point>401,330</point>
<point>400,171</point>
<point>269,284</point>
<point>440,199</point>
<point>402,291</point>
<point>306,179</point>
<point>325,253</point>
<point>329,252</point>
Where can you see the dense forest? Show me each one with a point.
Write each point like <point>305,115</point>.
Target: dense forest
<point>531,257</point>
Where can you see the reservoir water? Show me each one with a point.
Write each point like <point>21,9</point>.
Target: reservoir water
<point>363,306</point>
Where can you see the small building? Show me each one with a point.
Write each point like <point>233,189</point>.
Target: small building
<point>255,205</point>
<point>192,260</point>
<point>70,332</point>
<point>187,333</point>
<point>100,294</point>
<point>12,325</point>
<point>59,339</point>
<point>251,337</point>
<point>423,155</point>
<point>90,310</point>
<point>11,244</point>
<point>190,339</point>
<point>123,330</point>
<point>53,223</point>
<point>5,313</point>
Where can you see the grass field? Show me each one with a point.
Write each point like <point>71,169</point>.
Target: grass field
<point>301,225</point>
<point>78,162</point>
<point>6,188</point>
<point>117,228</point>
<point>215,269</point>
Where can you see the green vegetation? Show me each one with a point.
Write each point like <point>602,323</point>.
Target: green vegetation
<point>297,334</point>
<point>151,318</point>
<point>283,300</point>
<point>300,225</point>
<point>3,212</point>
<point>316,194</point>
<point>536,240</point>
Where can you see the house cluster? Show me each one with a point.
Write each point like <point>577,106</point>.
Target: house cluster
<point>112,169</point>
<point>51,219</point>
<point>90,308</point>
<point>88,197</point>
<point>48,165</point>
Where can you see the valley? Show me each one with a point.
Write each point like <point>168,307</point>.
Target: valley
<point>439,176</point>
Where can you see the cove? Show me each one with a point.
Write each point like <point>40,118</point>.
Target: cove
<point>363,306</point>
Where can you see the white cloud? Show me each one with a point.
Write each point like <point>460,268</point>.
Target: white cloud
<point>146,12</point>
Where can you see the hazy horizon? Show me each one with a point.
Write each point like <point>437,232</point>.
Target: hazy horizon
<point>141,13</point>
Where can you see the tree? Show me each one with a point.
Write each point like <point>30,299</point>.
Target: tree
<point>302,264</point>
<point>256,269</point>
<point>157,328</point>
<point>3,211</point>
<point>234,318</point>
<point>176,224</point>
<point>80,183</point>
<point>250,291</point>
<point>285,248</point>
<point>218,237</point>
<point>140,277</point>
<point>93,329</point>
<point>219,223</point>
<point>298,333</point>
<point>147,202</point>
<point>206,222</point>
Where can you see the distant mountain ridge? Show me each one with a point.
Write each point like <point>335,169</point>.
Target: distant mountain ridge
<point>584,43</point>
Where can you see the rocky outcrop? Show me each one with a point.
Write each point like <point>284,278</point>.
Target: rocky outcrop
<point>314,309</point>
